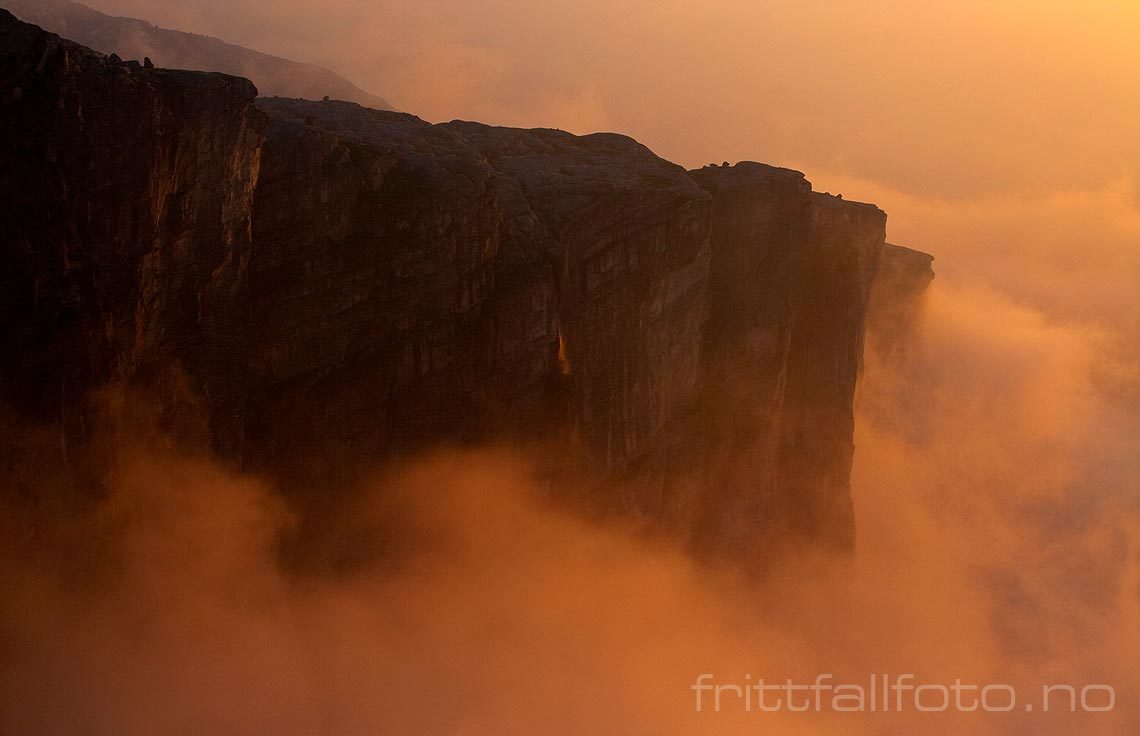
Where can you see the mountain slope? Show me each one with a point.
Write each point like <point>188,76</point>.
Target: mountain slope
<point>134,39</point>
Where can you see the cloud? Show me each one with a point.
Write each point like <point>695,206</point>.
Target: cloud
<point>995,479</point>
<point>994,547</point>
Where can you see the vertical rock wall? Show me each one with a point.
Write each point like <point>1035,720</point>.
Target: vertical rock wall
<point>337,284</point>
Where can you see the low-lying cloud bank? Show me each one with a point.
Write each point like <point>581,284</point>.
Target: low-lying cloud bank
<point>997,545</point>
<point>997,459</point>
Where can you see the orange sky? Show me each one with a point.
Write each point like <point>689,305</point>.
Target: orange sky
<point>947,98</point>
<point>1000,136</point>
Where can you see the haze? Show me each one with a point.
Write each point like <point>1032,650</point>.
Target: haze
<point>996,465</point>
<point>944,98</point>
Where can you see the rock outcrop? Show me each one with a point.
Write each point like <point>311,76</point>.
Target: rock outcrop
<point>125,201</point>
<point>465,281</point>
<point>897,300</point>
<point>337,284</point>
<point>789,284</point>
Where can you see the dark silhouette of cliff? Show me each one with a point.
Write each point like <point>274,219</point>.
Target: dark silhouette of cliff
<point>336,284</point>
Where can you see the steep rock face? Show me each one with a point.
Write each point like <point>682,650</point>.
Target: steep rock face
<point>897,300</point>
<point>125,202</point>
<point>415,282</point>
<point>338,284</point>
<point>376,256</point>
<point>627,233</point>
<point>816,447</point>
<point>789,287</point>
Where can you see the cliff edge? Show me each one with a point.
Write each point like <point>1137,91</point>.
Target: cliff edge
<point>337,284</point>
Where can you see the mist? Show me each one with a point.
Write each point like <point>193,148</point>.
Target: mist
<point>999,542</point>
<point>997,463</point>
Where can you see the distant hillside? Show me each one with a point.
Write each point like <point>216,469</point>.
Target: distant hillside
<point>133,39</point>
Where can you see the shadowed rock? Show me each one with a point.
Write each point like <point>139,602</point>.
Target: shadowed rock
<point>897,300</point>
<point>336,284</point>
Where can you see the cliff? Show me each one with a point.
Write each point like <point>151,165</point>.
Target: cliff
<point>337,284</point>
<point>897,300</point>
<point>126,202</point>
<point>789,285</point>
<point>131,38</point>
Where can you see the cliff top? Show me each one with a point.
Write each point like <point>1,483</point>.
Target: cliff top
<point>557,175</point>
<point>902,253</point>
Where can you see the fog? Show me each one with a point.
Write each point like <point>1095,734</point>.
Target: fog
<point>999,542</point>
<point>997,462</point>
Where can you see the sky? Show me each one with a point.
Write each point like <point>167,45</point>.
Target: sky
<point>942,98</point>
<point>996,467</point>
